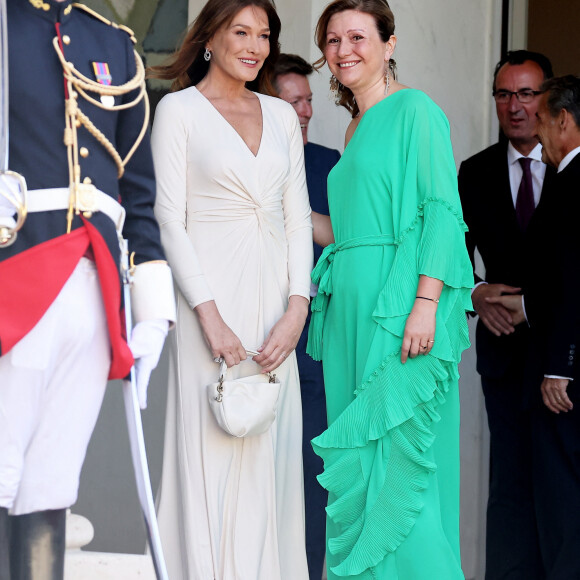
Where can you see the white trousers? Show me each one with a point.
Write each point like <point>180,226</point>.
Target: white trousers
<point>52,384</point>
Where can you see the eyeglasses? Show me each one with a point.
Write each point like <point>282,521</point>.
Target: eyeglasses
<point>523,96</point>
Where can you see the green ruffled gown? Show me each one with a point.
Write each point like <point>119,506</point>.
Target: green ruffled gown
<point>391,452</point>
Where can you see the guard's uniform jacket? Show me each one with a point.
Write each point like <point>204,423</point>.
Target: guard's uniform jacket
<point>36,266</point>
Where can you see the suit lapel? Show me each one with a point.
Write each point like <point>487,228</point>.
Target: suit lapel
<point>547,191</point>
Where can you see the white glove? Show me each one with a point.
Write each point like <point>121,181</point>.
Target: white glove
<point>8,185</point>
<point>146,344</point>
<point>9,189</point>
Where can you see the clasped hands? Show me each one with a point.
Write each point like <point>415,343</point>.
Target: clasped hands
<point>277,346</point>
<point>499,307</point>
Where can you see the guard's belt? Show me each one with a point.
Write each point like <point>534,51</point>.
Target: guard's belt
<point>58,198</point>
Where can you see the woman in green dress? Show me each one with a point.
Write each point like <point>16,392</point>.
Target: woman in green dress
<point>389,320</point>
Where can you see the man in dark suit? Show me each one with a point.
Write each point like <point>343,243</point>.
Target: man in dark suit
<point>552,310</point>
<point>500,188</point>
<point>291,82</point>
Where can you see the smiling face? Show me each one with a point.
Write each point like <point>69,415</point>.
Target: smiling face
<point>518,120</point>
<point>354,50</point>
<point>240,48</point>
<point>295,89</point>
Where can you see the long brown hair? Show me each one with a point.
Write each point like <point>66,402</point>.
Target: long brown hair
<point>385,21</point>
<point>186,67</point>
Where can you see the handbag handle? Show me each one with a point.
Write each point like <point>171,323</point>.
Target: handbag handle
<point>224,368</point>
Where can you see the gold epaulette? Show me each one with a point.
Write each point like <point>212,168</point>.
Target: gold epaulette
<point>106,20</point>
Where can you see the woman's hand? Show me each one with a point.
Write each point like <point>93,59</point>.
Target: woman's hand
<point>222,342</point>
<point>419,330</point>
<point>283,337</point>
<point>419,335</point>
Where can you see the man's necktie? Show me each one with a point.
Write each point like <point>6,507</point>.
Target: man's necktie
<point>525,204</point>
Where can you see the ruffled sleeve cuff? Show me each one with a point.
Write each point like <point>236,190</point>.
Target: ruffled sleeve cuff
<point>433,245</point>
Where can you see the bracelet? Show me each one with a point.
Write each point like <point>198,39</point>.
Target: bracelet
<point>436,300</point>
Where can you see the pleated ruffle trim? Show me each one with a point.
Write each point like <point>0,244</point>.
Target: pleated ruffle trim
<point>397,400</point>
<point>383,406</point>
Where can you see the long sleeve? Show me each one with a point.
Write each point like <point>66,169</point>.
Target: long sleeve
<point>430,234</point>
<point>297,222</point>
<point>169,143</point>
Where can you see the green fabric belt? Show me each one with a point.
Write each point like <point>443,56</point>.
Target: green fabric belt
<point>322,276</point>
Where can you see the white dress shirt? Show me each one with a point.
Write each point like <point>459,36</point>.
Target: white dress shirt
<point>537,167</point>
<point>567,159</point>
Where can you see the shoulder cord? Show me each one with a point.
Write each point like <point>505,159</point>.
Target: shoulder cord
<point>108,22</point>
<point>77,83</point>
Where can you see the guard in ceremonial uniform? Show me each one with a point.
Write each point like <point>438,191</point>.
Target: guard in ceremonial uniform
<point>78,135</point>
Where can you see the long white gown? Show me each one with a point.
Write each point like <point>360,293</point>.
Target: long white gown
<point>236,229</point>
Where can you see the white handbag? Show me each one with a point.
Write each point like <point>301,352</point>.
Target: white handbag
<point>246,406</point>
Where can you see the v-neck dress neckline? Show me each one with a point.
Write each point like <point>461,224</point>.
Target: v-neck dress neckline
<point>221,116</point>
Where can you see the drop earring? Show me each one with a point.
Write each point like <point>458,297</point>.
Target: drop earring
<point>387,77</point>
<point>334,85</point>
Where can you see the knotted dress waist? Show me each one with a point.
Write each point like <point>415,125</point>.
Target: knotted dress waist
<point>322,276</point>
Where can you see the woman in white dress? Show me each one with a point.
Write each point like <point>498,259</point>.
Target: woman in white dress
<point>235,223</point>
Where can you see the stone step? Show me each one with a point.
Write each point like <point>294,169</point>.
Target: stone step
<point>85,565</point>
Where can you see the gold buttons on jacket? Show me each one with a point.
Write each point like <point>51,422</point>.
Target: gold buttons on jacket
<point>87,180</point>
<point>84,152</point>
<point>66,39</point>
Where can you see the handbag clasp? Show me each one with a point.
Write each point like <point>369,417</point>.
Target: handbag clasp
<point>220,390</point>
